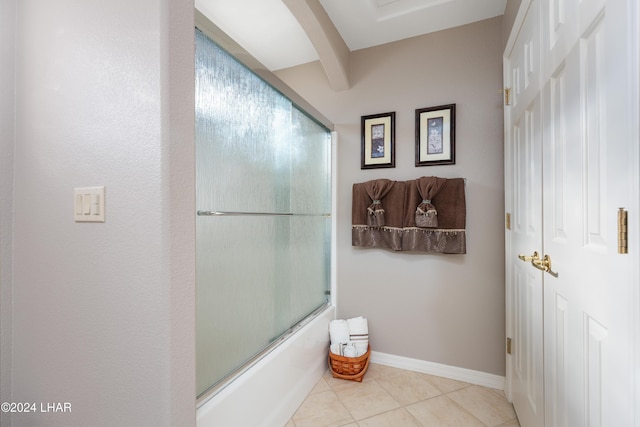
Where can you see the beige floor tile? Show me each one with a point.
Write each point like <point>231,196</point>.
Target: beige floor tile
<point>320,386</point>
<point>408,387</point>
<point>397,417</point>
<point>339,383</point>
<point>322,409</point>
<point>366,400</point>
<point>486,405</point>
<point>376,371</point>
<point>445,385</point>
<point>396,397</point>
<point>442,412</point>
<point>512,423</point>
<point>500,393</point>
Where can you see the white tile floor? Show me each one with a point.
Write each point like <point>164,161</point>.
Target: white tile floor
<point>390,397</point>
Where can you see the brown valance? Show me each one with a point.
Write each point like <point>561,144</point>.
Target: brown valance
<point>401,230</point>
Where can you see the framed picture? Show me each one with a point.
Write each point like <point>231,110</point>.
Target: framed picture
<point>378,141</point>
<point>436,135</point>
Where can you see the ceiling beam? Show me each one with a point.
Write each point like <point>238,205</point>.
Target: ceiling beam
<point>331,48</point>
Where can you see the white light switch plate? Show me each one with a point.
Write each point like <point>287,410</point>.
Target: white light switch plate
<point>88,204</point>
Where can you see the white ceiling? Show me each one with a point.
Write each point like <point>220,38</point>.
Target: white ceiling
<point>269,31</point>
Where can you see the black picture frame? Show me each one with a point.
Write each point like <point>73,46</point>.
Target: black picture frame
<point>378,149</point>
<point>436,135</point>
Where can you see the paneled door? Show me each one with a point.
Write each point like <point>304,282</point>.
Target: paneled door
<point>571,154</point>
<point>587,176</point>
<point>523,178</point>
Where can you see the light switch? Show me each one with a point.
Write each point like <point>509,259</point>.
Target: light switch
<point>95,204</point>
<point>88,204</point>
<point>78,203</point>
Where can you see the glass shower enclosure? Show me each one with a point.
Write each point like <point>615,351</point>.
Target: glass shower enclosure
<point>263,194</point>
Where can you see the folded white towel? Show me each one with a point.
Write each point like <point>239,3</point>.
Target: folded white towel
<point>358,329</point>
<point>339,331</point>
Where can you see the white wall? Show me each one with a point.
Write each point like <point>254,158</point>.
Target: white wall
<point>447,309</point>
<point>102,313</point>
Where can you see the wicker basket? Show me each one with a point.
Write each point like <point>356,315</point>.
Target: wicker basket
<point>349,368</point>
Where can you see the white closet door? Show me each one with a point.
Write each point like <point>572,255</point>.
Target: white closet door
<point>572,156</point>
<point>586,178</point>
<point>523,129</point>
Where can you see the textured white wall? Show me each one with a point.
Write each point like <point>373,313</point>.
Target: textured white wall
<point>447,309</point>
<point>103,313</point>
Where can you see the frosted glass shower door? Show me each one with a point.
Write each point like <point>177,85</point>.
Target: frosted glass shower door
<point>263,229</point>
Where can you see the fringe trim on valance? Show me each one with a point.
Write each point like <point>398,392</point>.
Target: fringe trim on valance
<point>434,240</point>
<point>377,237</point>
<point>368,227</point>
<point>446,241</point>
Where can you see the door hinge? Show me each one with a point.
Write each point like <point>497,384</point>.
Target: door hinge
<point>507,220</point>
<point>623,244</point>
<point>507,95</point>
<point>508,345</point>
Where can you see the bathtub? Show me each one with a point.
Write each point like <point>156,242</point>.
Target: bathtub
<point>269,392</point>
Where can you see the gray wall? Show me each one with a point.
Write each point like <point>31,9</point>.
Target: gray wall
<point>510,12</point>
<point>102,314</point>
<point>446,309</point>
<point>7,133</point>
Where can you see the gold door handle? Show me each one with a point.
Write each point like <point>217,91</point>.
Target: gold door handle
<point>544,264</point>
<point>531,258</point>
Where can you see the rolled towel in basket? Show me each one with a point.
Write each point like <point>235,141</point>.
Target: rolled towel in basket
<point>351,351</point>
<point>339,332</point>
<point>361,347</point>
<point>337,349</point>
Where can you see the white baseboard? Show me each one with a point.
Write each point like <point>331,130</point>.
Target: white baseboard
<point>452,372</point>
